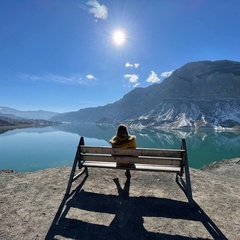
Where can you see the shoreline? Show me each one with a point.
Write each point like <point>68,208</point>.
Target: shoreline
<point>212,167</point>
<point>5,128</point>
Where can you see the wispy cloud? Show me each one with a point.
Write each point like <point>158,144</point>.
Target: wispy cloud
<point>59,79</point>
<point>133,79</point>
<point>99,11</point>
<point>167,74</point>
<point>153,78</point>
<point>135,65</point>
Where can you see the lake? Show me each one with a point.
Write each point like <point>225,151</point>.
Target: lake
<point>32,149</point>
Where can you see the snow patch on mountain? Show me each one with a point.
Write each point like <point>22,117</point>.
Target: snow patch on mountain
<point>176,115</point>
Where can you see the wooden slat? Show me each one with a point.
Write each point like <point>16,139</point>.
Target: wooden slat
<point>142,167</point>
<point>133,151</point>
<point>158,168</point>
<point>131,159</point>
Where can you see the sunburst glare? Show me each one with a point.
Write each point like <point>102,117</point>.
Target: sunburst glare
<point>119,37</point>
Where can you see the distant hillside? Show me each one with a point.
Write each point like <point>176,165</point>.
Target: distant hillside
<point>10,121</point>
<point>28,114</point>
<point>199,94</point>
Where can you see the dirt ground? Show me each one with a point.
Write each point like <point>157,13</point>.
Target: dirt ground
<point>108,206</point>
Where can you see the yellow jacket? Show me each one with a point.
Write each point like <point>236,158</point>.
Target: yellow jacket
<point>124,143</point>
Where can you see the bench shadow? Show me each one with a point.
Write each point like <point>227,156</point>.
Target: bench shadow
<point>129,213</point>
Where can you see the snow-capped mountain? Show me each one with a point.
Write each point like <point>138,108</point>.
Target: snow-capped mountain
<point>199,94</point>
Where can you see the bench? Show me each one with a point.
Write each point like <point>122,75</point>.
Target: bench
<point>141,159</point>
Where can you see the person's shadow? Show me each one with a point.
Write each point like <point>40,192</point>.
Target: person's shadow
<point>124,208</point>
<point>128,222</point>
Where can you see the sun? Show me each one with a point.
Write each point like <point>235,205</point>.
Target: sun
<point>119,37</point>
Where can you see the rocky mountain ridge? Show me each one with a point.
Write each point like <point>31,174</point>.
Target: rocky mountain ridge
<point>199,94</point>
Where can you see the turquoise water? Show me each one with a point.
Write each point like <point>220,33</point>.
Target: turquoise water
<point>39,148</point>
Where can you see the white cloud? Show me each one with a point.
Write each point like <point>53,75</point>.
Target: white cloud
<point>153,78</point>
<point>58,79</point>
<point>90,76</point>
<point>135,65</point>
<point>98,10</point>
<point>167,74</point>
<point>128,64</point>
<point>133,79</point>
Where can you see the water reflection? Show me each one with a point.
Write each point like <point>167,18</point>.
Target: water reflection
<point>204,147</point>
<point>37,148</point>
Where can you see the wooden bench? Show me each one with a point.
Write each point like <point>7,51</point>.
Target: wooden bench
<point>141,159</point>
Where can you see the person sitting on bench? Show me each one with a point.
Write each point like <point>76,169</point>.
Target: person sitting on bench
<point>123,140</point>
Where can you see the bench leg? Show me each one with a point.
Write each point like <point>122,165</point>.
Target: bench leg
<point>86,171</point>
<point>77,159</point>
<point>187,184</point>
<point>74,177</point>
<point>186,187</point>
<point>70,181</point>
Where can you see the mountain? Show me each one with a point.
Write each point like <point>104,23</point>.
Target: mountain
<point>10,121</point>
<point>199,94</point>
<point>11,118</point>
<point>28,114</point>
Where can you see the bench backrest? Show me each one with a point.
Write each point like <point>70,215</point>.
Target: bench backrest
<point>173,157</point>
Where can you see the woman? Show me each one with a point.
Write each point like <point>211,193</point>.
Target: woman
<point>123,140</point>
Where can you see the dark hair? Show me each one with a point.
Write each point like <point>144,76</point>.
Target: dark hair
<point>122,131</point>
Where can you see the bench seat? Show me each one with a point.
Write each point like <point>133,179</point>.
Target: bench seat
<point>136,166</point>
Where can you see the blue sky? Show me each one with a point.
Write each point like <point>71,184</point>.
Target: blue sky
<point>60,55</point>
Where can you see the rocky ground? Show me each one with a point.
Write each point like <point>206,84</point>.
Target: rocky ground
<point>106,206</point>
